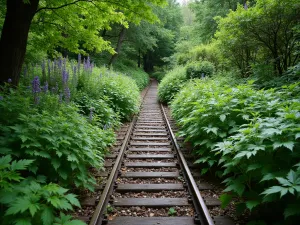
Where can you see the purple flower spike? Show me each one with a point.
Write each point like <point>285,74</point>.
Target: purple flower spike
<point>65,77</point>
<point>36,85</point>
<point>9,80</point>
<point>67,94</point>
<point>1,98</point>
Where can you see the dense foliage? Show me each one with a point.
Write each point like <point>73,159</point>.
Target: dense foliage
<point>171,84</point>
<point>245,134</point>
<point>55,127</point>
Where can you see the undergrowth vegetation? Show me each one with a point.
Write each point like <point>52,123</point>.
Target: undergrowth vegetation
<point>249,137</point>
<point>55,126</point>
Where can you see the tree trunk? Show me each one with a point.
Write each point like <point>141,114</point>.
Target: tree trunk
<point>118,48</point>
<point>14,38</point>
<point>148,63</point>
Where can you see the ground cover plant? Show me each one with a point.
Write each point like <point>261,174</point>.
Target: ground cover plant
<point>250,136</point>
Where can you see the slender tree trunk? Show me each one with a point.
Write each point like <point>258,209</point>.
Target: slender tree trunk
<point>148,63</point>
<point>118,48</point>
<point>14,38</point>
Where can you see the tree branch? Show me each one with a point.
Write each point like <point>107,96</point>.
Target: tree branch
<point>59,7</point>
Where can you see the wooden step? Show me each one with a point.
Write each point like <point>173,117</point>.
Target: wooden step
<point>150,130</point>
<point>151,174</point>
<point>211,202</point>
<point>149,164</point>
<point>149,187</point>
<point>149,138</point>
<point>151,202</point>
<point>150,134</point>
<point>150,156</point>
<point>223,220</point>
<point>129,220</point>
<point>149,143</point>
<point>147,127</point>
<point>150,149</point>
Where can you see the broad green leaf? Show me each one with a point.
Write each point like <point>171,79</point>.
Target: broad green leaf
<point>21,164</point>
<point>23,221</point>
<point>272,190</point>
<point>18,206</point>
<point>225,200</point>
<point>252,204</point>
<point>47,215</point>
<point>223,117</point>
<point>72,199</point>
<point>283,181</point>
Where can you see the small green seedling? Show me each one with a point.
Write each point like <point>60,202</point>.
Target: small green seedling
<point>172,212</point>
<point>109,209</point>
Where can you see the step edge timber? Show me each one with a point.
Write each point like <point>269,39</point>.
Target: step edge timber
<point>151,174</point>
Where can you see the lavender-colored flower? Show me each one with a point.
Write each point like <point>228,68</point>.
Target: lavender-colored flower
<point>67,94</point>
<point>65,77</point>
<point>9,80</point>
<point>245,6</point>
<point>1,98</point>
<point>36,85</point>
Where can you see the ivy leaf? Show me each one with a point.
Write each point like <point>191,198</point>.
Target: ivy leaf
<point>297,136</point>
<point>267,177</point>
<point>292,176</point>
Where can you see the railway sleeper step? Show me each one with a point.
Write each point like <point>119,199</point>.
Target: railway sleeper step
<point>211,201</point>
<point>150,134</point>
<point>150,164</point>
<point>149,187</point>
<point>151,130</point>
<point>89,201</point>
<point>223,220</point>
<point>151,202</point>
<point>149,143</point>
<point>129,220</point>
<point>152,127</point>
<point>150,156</point>
<point>150,149</point>
<point>150,174</point>
<point>149,138</point>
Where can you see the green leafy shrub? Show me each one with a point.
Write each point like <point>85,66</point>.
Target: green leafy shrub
<point>199,69</point>
<point>62,143</point>
<point>120,92</point>
<point>159,75</point>
<point>130,69</point>
<point>97,110</point>
<point>171,84</point>
<point>29,200</point>
<point>252,138</point>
